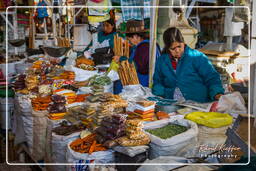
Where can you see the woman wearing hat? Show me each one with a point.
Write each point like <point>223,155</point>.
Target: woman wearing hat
<point>138,36</point>
<point>185,73</point>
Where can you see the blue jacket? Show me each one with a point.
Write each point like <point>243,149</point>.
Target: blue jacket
<point>195,77</point>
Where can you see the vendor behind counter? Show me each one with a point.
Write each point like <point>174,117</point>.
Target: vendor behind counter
<point>108,32</point>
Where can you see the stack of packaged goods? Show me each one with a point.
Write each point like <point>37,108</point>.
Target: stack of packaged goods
<point>41,103</point>
<point>97,91</point>
<point>85,64</point>
<point>64,129</point>
<point>74,114</point>
<point>134,134</point>
<point>113,101</point>
<point>44,89</point>
<point>103,111</point>
<point>111,128</point>
<point>37,65</point>
<point>144,111</point>
<point>32,82</point>
<point>69,94</point>
<point>20,85</point>
<point>109,102</point>
<point>67,75</point>
<point>162,115</point>
<point>80,98</point>
<point>87,119</point>
<point>82,114</point>
<point>57,109</point>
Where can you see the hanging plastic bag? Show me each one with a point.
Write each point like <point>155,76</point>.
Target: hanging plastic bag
<point>232,103</point>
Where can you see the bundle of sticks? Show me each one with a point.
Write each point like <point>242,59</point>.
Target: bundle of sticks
<point>63,42</point>
<point>121,48</point>
<point>127,72</point>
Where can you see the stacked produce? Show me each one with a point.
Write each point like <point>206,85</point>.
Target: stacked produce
<point>97,91</point>
<point>111,128</point>
<point>20,82</point>
<point>162,115</point>
<point>44,89</point>
<point>87,145</point>
<point>66,75</point>
<point>85,64</point>
<point>32,81</point>
<point>80,97</point>
<point>99,80</point>
<point>134,134</point>
<point>41,103</point>
<point>47,82</point>
<point>103,111</point>
<point>55,72</point>
<point>79,84</point>
<point>167,131</point>
<point>112,101</point>
<point>64,129</point>
<point>144,111</point>
<point>69,94</point>
<point>61,84</point>
<point>37,65</point>
<point>75,114</point>
<point>69,86</point>
<point>57,109</point>
<point>87,118</point>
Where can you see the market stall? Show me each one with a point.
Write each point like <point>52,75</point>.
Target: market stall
<point>82,94</point>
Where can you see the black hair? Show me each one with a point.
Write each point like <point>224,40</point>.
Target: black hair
<point>112,22</point>
<point>170,36</point>
<point>143,35</point>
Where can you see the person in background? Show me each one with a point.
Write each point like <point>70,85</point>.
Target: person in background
<point>108,33</point>
<point>138,36</point>
<point>182,73</point>
<point>41,14</point>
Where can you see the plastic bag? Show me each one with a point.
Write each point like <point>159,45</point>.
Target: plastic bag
<point>232,103</point>
<point>210,119</point>
<point>207,137</point>
<point>131,151</point>
<point>170,146</point>
<point>133,92</point>
<point>58,144</point>
<point>80,74</point>
<point>165,160</point>
<point>97,157</point>
<point>112,71</point>
<point>39,134</point>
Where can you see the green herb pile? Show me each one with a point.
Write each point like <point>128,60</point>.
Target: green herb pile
<point>167,131</point>
<point>99,80</point>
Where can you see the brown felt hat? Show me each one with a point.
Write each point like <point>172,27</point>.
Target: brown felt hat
<point>135,26</point>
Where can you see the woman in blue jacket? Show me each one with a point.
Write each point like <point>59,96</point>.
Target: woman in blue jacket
<point>184,73</point>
